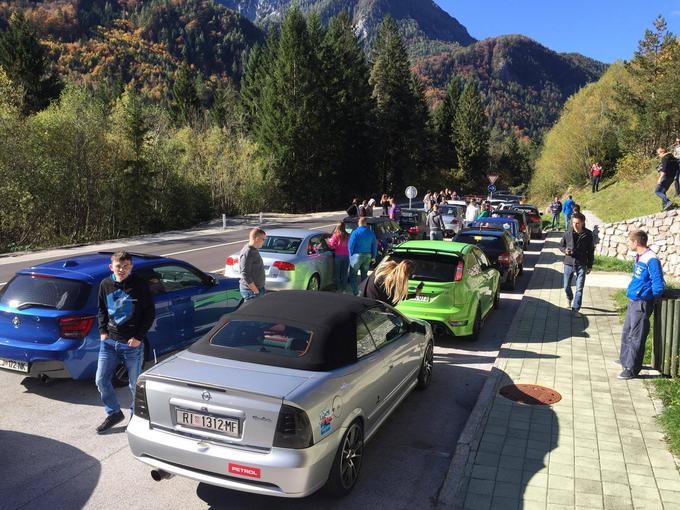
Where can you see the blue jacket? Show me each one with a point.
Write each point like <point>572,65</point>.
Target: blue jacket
<point>363,240</point>
<point>568,207</point>
<point>647,282</point>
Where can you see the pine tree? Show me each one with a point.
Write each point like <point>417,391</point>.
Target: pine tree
<point>472,138</point>
<point>442,120</point>
<point>185,102</point>
<point>25,62</point>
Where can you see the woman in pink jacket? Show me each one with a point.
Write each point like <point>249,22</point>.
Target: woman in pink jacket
<point>339,244</point>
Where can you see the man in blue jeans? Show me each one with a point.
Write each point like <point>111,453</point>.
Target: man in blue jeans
<point>363,248</point>
<point>568,210</point>
<point>646,286</point>
<point>126,312</point>
<point>579,250</point>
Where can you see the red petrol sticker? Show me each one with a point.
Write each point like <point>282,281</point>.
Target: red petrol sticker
<point>237,469</point>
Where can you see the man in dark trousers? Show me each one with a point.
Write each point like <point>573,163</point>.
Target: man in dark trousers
<point>579,250</point>
<point>435,224</point>
<point>595,176</point>
<point>646,286</point>
<point>555,210</point>
<point>126,313</point>
<point>668,167</point>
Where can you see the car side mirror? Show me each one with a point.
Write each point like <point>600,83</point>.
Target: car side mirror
<point>212,280</point>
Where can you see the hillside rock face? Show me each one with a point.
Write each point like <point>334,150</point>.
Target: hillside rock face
<point>663,230</point>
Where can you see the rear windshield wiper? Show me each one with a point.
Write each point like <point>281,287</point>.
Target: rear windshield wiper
<point>25,305</point>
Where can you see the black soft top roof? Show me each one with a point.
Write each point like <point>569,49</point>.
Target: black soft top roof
<point>330,317</point>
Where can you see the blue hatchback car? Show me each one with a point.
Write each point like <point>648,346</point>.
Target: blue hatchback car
<point>48,313</point>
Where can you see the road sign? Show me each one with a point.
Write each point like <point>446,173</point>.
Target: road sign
<point>491,188</point>
<point>492,178</point>
<point>411,192</point>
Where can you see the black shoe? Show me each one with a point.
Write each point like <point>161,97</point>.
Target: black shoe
<point>626,374</point>
<point>668,206</point>
<point>110,421</point>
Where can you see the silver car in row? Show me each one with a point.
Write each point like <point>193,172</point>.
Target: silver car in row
<point>281,396</point>
<point>293,259</point>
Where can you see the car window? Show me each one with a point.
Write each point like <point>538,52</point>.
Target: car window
<point>171,277</point>
<point>316,244</point>
<point>60,293</point>
<point>430,267</point>
<point>263,336</point>
<point>281,244</point>
<point>384,325</point>
<point>481,258</point>
<point>365,344</point>
<point>483,241</point>
<point>473,265</point>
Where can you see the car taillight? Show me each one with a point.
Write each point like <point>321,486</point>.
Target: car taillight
<point>75,327</point>
<point>414,230</point>
<point>504,258</point>
<point>284,266</point>
<point>459,271</point>
<point>231,261</point>
<point>535,218</point>
<point>523,227</point>
<point>293,429</point>
<point>141,406</point>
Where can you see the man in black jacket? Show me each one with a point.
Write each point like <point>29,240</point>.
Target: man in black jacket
<point>126,313</point>
<point>579,250</point>
<point>668,167</point>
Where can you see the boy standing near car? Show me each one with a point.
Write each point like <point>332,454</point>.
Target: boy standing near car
<point>579,250</point>
<point>126,312</point>
<point>251,266</point>
<point>363,248</point>
<point>646,286</point>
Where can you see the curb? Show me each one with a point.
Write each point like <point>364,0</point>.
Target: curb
<point>469,438</point>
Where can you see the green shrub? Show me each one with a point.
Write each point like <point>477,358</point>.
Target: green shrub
<point>634,166</point>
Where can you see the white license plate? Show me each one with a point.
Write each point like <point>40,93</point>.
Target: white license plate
<point>426,299</point>
<point>10,364</point>
<point>221,424</point>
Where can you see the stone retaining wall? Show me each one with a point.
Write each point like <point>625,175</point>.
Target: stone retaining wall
<point>663,230</point>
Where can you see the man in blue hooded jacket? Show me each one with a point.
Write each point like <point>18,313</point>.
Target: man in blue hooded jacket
<point>646,286</point>
<point>363,248</point>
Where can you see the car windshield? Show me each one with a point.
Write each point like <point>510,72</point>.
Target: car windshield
<point>262,336</point>
<point>26,291</point>
<point>430,267</point>
<point>483,241</point>
<point>495,225</point>
<point>280,244</point>
<point>451,210</point>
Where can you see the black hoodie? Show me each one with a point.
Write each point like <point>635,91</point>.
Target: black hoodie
<point>582,248</point>
<point>126,309</point>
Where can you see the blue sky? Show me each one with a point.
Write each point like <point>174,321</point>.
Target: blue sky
<point>607,30</point>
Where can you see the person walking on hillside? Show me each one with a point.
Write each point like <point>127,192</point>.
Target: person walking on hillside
<point>389,282</point>
<point>646,285</point>
<point>435,224</point>
<point>595,176</point>
<point>251,266</point>
<point>668,169</point>
<point>555,210</point>
<point>126,312</point>
<point>362,249</point>
<point>568,210</point>
<point>339,243</point>
<point>579,254</point>
<point>676,155</point>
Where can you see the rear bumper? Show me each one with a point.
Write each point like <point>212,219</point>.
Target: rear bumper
<point>456,320</point>
<point>280,472</point>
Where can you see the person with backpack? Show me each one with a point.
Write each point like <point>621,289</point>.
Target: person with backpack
<point>595,176</point>
<point>668,169</point>
<point>568,210</point>
<point>555,210</point>
<point>435,224</point>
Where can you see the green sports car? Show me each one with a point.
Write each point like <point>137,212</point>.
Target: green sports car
<point>459,286</point>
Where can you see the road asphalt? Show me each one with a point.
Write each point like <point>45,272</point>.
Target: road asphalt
<point>50,456</point>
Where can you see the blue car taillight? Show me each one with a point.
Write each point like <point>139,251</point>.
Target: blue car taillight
<point>141,406</point>
<point>293,429</point>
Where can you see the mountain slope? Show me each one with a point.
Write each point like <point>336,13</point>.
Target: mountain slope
<point>523,83</point>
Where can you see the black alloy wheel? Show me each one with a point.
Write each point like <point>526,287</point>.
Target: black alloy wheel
<point>314,283</point>
<point>347,463</point>
<point>425,374</point>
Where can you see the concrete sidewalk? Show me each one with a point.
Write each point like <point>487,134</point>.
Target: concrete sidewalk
<point>599,447</point>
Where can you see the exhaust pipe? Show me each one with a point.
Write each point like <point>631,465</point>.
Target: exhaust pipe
<point>44,379</point>
<point>159,474</point>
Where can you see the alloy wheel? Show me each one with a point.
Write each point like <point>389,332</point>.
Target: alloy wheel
<point>351,457</point>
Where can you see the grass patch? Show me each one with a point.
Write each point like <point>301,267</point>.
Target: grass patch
<point>668,390</point>
<point>621,200</point>
<point>612,264</point>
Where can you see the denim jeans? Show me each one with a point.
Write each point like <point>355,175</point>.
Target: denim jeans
<point>247,294</point>
<point>341,272</point>
<point>567,221</point>
<point>436,235</point>
<point>111,354</point>
<point>634,334</point>
<point>660,191</point>
<point>359,262</point>
<point>676,182</point>
<point>569,272</point>
<point>555,220</point>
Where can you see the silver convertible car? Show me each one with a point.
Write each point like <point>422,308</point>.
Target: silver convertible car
<point>281,395</point>
<point>293,259</point>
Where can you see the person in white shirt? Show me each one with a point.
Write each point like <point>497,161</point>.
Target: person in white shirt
<point>471,212</point>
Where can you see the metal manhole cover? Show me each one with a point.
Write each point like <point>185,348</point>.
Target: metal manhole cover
<point>530,394</point>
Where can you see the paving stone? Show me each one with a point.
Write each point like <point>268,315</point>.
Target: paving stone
<point>589,500</point>
<point>479,486</point>
<point>588,486</point>
<point>484,472</point>
<point>560,497</point>
<point>617,503</point>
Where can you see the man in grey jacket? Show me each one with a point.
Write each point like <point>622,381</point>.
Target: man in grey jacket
<point>251,267</point>
<point>435,223</point>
